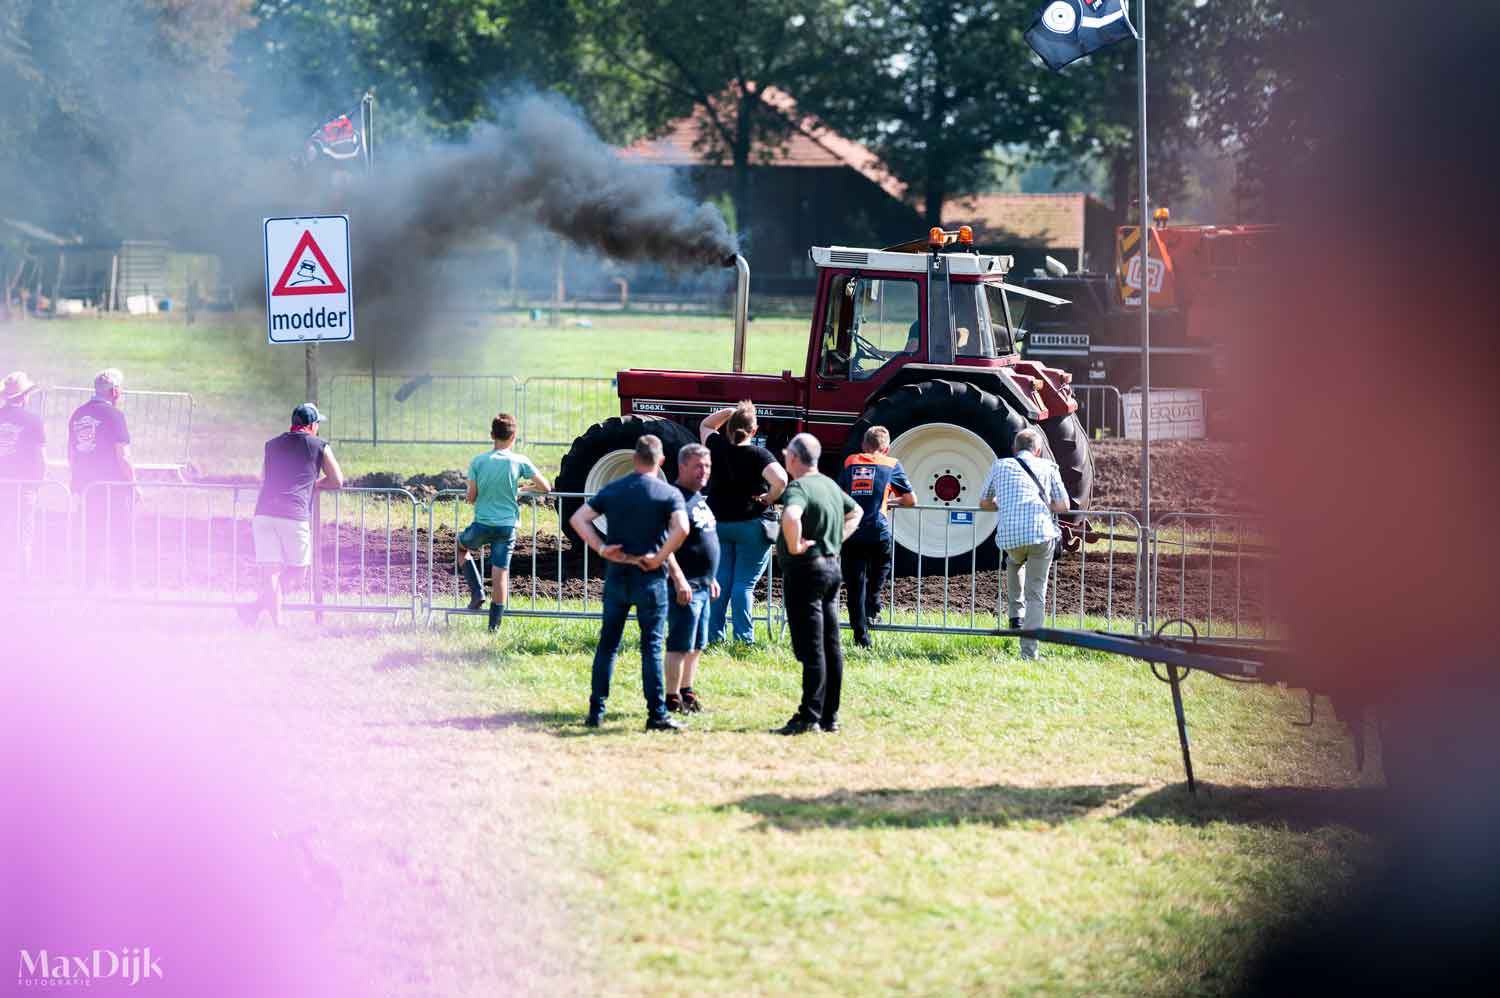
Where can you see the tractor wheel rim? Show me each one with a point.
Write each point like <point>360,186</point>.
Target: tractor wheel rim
<point>947,465</point>
<point>612,467</point>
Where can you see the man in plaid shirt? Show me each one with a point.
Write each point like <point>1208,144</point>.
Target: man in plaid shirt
<point>1025,495</point>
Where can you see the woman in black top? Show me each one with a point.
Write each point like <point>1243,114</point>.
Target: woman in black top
<point>746,481</point>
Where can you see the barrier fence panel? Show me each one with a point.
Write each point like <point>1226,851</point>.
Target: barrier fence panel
<point>1214,571</point>
<point>36,551</point>
<point>416,408</point>
<point>555,411</point>
<point>550,575</point>
<point>1101,410</point>
<point>165,541</point>
<point>365,553</point>
<point>1096,587</point>
<point>161,426</point>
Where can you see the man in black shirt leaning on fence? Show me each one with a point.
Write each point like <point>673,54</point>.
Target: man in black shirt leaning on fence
<point>103,479</point>
<point>817,517</point>
<point>285,508</point>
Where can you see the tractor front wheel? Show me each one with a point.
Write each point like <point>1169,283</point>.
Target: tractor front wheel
<point>946,435</point>
<point>606,453</point>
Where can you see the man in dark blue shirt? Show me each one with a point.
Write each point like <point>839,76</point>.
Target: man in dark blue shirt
<point>693,570</point>
<point>874,480</point>
<point>646,522</point>
<point>98,455</point>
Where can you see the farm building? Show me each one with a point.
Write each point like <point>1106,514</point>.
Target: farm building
<point>1076,229</point>
<point>816,188</point>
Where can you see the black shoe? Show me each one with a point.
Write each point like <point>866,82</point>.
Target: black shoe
<point>596,716</point>
<point>1015,623</point>
<point>798,725</point>
<point>675,704</point>
<point>865,641</point>
<point>690,702</point>
<point>476,603</point>
<point>831,725</point>
<point>497,614</point>
<point>665,724</point>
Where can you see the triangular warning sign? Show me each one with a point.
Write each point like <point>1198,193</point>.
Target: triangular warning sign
<point>307,278</point>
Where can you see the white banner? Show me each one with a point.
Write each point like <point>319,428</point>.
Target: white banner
<point>1176,414</point>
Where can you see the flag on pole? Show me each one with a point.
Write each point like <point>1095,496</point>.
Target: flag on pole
<point>1065,30</point>
<point>338,138</point>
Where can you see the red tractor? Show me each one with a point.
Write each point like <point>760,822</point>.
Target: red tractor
<point>917,338</point>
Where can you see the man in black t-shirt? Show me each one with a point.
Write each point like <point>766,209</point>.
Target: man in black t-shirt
<point>282,525</point>
<point>99,453</point>
<point>22,439</point>
<point>692,569</point>
<point>646,522</point>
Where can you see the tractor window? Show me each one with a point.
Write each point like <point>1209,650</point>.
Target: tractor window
<point>887,324</point>
<point>971,323</point>
<point>833,356</point>
<point>994,303</point>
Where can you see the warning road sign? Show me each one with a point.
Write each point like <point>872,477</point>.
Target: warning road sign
<point>308,287</point>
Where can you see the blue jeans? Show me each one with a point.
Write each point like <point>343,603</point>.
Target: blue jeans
<point>744,553</point>
<point>626,586</point>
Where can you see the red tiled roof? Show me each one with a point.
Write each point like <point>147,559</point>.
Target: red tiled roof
<point>1051,221</point>
<point>809,144</point>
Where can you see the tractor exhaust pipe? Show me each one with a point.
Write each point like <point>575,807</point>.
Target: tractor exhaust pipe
<point>741,307</point>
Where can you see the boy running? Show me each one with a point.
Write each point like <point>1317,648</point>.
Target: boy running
<point>495,479</point>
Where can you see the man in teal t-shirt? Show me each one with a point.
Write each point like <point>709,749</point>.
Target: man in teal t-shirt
<point>495,479</point>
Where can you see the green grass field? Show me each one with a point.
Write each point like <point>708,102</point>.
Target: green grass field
<point>243,388</point>
<point>981,826</point>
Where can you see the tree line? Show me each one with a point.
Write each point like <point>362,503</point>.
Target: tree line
<point>104,102</point>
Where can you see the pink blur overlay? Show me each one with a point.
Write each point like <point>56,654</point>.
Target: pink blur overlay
<point>141,810</point>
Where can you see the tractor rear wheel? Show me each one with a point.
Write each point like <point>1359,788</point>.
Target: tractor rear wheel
<point>606,453</point>
<point>1069,443</point>
<point>946,434</point>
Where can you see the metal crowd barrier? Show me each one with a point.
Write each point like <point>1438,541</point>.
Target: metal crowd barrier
<point>1213,571</point>
<point>36,550</point>
<point>161,426</point>
<point>1101,410</point>
<point>455,409</point>
<point>550,576</point>
<point>1097,587</point>
<point>192,545</point>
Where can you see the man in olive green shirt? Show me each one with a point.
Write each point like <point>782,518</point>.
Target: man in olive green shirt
<point>817,517</point>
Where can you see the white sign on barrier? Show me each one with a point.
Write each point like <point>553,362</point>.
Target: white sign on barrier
<point>309,291</point>
<point>1176,414</point>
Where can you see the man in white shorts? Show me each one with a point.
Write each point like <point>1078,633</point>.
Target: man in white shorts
<point>282,526</point>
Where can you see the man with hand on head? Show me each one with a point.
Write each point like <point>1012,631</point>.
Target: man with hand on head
<point>816,518</point>
<point>296,462</point>
<point>1026,490</point>
<point>692,569</point>
<point>495,479</point>
<point>646,520</point>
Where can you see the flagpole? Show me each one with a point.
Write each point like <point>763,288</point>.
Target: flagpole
<point>1145,252</point>
<point>366,126</point>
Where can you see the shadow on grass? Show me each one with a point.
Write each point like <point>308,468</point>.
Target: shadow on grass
<point>417,658</point>
<point>1298,808</point>
<point>890,808</point>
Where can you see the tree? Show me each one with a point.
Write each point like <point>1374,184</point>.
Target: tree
<point>934,87</point>
<point>715,58</point>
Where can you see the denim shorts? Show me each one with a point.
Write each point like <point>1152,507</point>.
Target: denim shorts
<point>687,626</point>
<point>500,539</point>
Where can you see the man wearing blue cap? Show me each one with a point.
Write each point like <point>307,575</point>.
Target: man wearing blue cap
<point>283,512</point>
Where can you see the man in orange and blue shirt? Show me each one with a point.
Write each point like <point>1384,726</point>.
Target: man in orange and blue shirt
<point>874,480</point>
